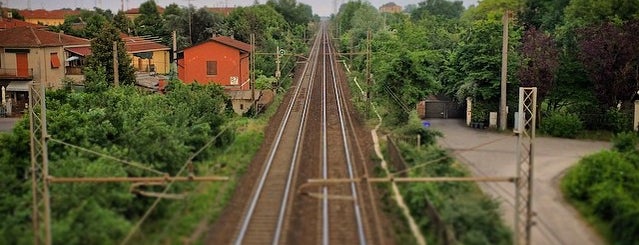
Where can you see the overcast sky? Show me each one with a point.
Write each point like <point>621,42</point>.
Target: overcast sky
<point>320,7</point>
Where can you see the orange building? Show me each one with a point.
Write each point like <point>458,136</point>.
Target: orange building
<point>47,17</point>
<point>226,11</point>
<point>220,60</point>
<point>134,13</point>
<point>391,8</point>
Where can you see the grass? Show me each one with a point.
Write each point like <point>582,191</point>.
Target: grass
<point>599,135</point>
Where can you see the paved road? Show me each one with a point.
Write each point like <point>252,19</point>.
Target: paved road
<point>7,124</point>
<point>557,222</point>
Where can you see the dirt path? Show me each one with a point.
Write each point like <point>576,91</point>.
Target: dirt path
<point>556,222</point>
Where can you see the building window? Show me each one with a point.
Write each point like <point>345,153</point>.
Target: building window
<point>211,68</point>
<point>55,61</point>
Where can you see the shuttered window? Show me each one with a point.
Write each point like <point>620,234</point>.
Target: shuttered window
<point>55,61</point>
<point>211,68</point>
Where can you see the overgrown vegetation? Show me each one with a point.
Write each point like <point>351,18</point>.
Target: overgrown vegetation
<point>158,131</point>
<point>580,54</point>
<point>470,216</point>
<point>562,125</point>
<point>602,186</point>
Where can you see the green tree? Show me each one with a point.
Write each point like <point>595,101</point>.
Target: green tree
<point>543,14</point>
<point>150,22</point>
<point>442,8</point>
<point>262,20</point>
<point>474,67</point>
<point>580,13</point>
<point>293,12</point>
<point>205,24</point>
<point>102,55</point>
<point>177,19</point>
<point>491,9</point>
<point>123,23</point>
<point>87,24</point>
<point>93,26</point>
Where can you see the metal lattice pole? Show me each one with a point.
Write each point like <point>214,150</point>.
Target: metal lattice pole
<point>41,216</point>
<point>525,149</point>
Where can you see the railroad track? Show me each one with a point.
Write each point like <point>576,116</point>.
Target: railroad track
<point>317,137</point>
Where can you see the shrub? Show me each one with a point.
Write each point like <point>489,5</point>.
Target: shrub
<point>562,125</point>
<point>625,228</point>
<point>606,184</point>
<point>609,200</point>
<point>618,121</point>
<point>625,142</point>
<point>595,169</point>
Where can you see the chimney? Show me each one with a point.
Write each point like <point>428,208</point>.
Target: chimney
<point>9,14</point>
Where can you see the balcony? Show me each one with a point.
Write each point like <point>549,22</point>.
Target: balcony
<point>16,74</point>
<point>73,70</point>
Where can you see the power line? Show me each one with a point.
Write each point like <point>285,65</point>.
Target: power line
<point>134,164</point>
<point>168,186</point>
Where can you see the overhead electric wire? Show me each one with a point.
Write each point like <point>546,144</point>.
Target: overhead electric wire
<point>130,163</point>
<point>168,186</point>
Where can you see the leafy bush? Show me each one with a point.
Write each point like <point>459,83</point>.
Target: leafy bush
<point>625,228</point>
<point>625,142</point>
<point>473,217</point>
<point>562,125</point>
<point>605,183</point>
<point>618,121</point>
<point>157,131</point>
<point>595,169</point>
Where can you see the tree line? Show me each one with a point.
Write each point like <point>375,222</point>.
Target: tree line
<point>283,23</point>
<point>580,54</point>
<point>159,131</point>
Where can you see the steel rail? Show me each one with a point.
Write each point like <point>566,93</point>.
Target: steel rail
<point>247,218</point>
<point>325,233</point>
<point>291,172</point>
<point>349,163</point>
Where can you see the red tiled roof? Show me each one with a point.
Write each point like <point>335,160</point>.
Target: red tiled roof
<point>29,37</point>
<point>7,23</point>
<point>233,43</point>
<point>223,10</point>
<point>139,44</point>
<point>137,10</point>
<point>82,51</point>
<point>390,4</point>
<point>46,14</point>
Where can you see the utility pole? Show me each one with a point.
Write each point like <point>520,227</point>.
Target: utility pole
<point>368,65</point>
<point>527,121</point>
<point>116,76</point>
<point>190,22</point>
<point>252,71</point>
<point>174,61</point>
<point>504,71</point>
<point>278,73</point>
<point>39,165</point>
